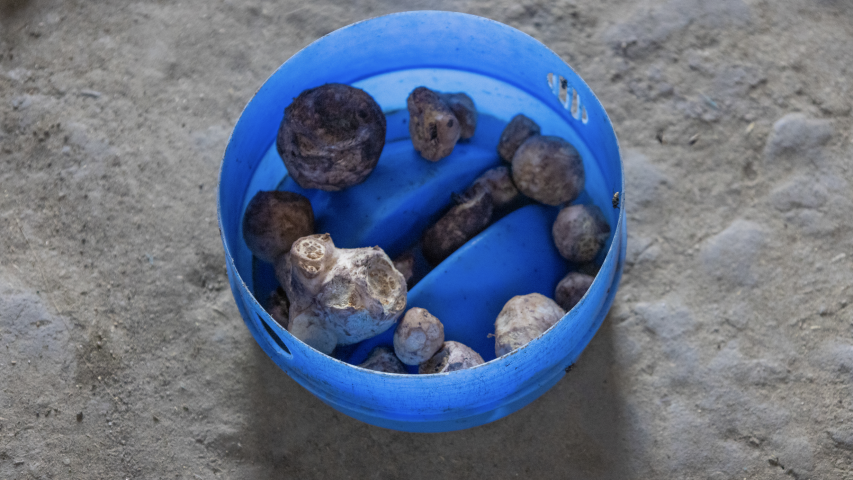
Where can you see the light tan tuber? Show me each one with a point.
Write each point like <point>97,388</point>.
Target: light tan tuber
<point>451,357</point>
<point>382,359</point>
<point>354,293</point>
<point>522,319</point>
<point>418,336</point>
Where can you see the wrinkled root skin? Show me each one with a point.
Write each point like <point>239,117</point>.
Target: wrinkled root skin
<point>522,319</point>
<point>418,336</point>
<point>499,182</point>
<point>273,221</point>
<point>571,289</point>
<point>462,223</point>
<point>463,108</point>
<point>331,137</point>
<point>549,170</point>
<point>432,125</point>
<point>451,357</point>
<point>382,359</point>
<point>357,292</point>
<point>580,232</point>
<point>517,131</point>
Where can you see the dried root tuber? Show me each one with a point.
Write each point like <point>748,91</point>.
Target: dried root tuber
<point>432,125</point>
<point>274,220</point>
<point>451,357</point>
<point>382,359</point>
<point>548,170</point>
<point>418,336</point>
<point>498,182</point>
<point>405,264</point>
<point>310,327</point>
<point>517,131</point>
<point>464,110</point>
<point>580,232</point>
<point>331,137</point>
<point>354,293</point>
<point>463,222</point>
<point>307,327</point>
<point>571,289</point>
<point>522,319</point>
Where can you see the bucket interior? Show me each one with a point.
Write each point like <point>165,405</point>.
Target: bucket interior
<point>406,194</point>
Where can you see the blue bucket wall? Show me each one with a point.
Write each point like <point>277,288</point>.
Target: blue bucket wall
<point>506,72</point>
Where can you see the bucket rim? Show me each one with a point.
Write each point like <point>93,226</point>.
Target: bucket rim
<point>598,280</point>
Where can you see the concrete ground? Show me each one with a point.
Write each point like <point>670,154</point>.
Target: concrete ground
<point>727,355</point>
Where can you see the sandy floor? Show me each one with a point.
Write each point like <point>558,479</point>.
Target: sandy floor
<point>728,353</point>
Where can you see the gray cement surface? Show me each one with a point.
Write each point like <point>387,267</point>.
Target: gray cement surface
<point>727,355</point>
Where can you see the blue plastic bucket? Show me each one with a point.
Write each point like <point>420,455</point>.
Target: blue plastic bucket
<point>506,72</point>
